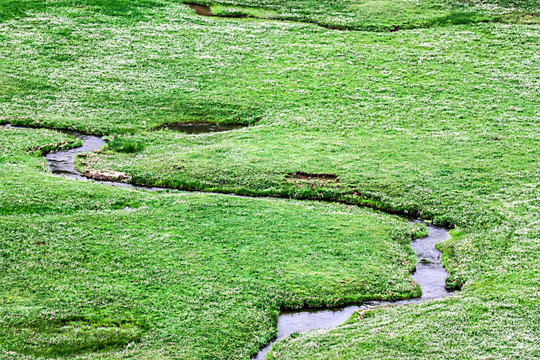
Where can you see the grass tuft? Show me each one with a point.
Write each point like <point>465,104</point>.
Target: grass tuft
<point>122,145</point>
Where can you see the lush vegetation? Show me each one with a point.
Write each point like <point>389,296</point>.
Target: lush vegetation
<point>440,122</point>
<point>88,268</point>
<point>120,144</point>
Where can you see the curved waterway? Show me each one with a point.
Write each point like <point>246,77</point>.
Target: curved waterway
<point>429,274</point>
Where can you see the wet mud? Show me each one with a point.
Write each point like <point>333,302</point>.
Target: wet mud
<point>300,175</point>
<point>202,10</point>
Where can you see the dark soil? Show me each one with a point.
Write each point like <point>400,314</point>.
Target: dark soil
<point>300,175</point>
<point>107,176</point>
<point>198,127</point>
<point>202,10</point>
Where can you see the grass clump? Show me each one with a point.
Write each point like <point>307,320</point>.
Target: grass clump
<point>123,145</point>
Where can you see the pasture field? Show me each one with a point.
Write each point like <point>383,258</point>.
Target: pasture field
<point>88,268</point>
<point>438,120</point>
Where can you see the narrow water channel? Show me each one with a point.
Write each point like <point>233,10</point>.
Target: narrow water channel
<point>429,274</point>
<point>63,162</point>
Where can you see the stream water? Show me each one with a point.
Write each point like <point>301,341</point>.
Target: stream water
<point>63,162</point>
<point>429,274</point>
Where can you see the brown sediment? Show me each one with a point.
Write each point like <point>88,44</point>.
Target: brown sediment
<point>107,175</point>
<point>301,175</point>
<point>199,9</point>
<point>198,127</point>
<point>205,10</point>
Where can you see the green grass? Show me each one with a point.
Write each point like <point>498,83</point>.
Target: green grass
<point>88,268</point>
<point>122,145</point>
<point>440,122</point>
<point>14,9</point>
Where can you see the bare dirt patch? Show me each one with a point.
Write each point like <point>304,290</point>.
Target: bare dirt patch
<point>110,175</point>
<point>202,10</point>
<point>311,177</point>
<point>198,127</point>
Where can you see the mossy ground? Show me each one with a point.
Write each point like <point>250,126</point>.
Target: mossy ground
<point>441,122</point>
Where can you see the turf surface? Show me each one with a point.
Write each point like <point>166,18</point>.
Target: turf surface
<point>88,268</point>
<point>441,122</point>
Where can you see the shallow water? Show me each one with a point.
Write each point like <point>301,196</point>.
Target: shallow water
<point>429,274</point>
<point>63,162</point>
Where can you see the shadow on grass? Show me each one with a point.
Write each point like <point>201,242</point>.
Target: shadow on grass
<point>71,336</point>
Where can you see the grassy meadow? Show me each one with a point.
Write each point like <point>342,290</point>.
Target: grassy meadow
<point>88,269</point>
<point>439,120</point>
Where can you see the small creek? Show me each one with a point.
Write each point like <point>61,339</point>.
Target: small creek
<point>429,274</point>
<point>63,162</point>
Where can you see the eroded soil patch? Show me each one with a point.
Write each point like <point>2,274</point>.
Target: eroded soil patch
<point>202,10</point>
<point>198,127</point>
<point>107,176</point>
<point>311,177</point>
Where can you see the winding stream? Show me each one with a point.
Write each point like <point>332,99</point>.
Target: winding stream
<point>429,274</point>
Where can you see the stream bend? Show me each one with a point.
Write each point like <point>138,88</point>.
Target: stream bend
<point>429,274</point>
